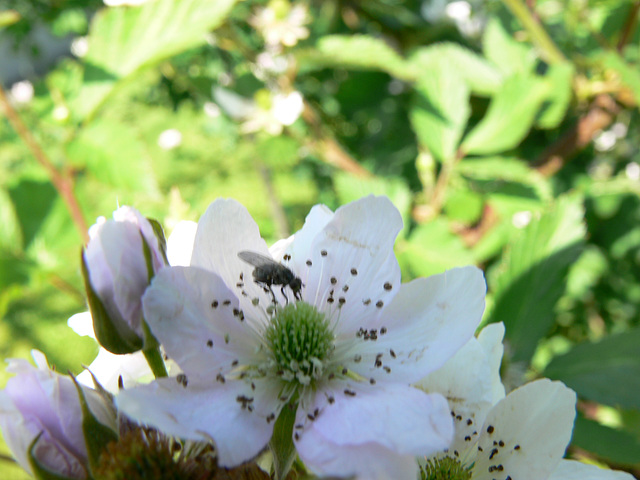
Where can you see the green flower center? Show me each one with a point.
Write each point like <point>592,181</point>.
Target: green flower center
<point>300,340</point>
<point>445,468</point>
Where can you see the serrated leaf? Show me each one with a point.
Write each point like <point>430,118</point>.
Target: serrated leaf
<point>118,339</point>
<point>353,51</point>
<point>96,435</point>
<point>606,372</point>
<point>509,55</point>
<point>40,472</point>
<point>505,169</point>
<point>530,277</point>
<point>440,110</point>
<point>123,41</point>
<point>481,77</point>
<point>510,116</point>
<point>629,75</point>
<point>560,76</point>
<point>107,149</point>
<point>616,446</point>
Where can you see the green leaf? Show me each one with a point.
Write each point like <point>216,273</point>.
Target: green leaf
<point>560,77</point>
<point>441,110</point>
<point>40,472</point>
<point>96,435</point>
<point>117,338</point>
<point>481,77</point>
<point>353,51</point>
<point>432,248</point>
<point>281,444</point>
<point>123,41</point>
<point>531,276</point>
<point>506,53</point>
<point>510,116</point>
<point>606,372</point>
<point>499,170</point>
<point>113,153</point>
<point>616,446</point>
<point>629,74</point>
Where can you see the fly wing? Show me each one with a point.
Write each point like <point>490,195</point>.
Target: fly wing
<point>257,259</point>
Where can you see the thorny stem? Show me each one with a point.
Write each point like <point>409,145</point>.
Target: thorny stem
<point>63,184</point>
<point>629,26</point>
<point>427,212</point>
<point>539,36</point>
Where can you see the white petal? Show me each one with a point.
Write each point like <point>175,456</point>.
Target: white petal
<point>225,229</point>
<point>82,324</point>
<point>369,461</point>
<point>353,258</point>
<point>108,368</point>
<point>534,422</point>
<point>402,419</point>
<point>187,310</point>
<point>573,470</point>
<point>205,413</point>
<point>465,381</point>
<point>180,243</point>
<point>491,340</point>
<point>427,322</point>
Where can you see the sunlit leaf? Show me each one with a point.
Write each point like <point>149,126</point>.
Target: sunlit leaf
<point>560,76</point>
<point>616,446</point>
<point>510,116</point>
<point>122,41</point>
<point>506,53</point>
<point>531,275</point>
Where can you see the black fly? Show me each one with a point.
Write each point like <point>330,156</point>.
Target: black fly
<point>268,272</point>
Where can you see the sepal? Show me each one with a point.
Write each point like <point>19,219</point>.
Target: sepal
<point>158,231</point>
<point>39,471</point>
<point>117,338</point>
<point>96,435</point>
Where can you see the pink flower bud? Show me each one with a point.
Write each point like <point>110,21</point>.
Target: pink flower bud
<point>39,401</point>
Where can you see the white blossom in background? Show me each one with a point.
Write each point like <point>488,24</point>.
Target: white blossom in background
<point>21,92</point>
<point>459,12</point>
<point>608,139</point>
<point>344,348</point>
<point>281,24</point>
<point>80,46</point>
<point>632,171</point>
<point>270,112</point>
<point>269,64</point>
<point>521,219</point>
<point>170,139</point>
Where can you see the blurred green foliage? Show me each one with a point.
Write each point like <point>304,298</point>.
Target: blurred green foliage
<point>504,145</point>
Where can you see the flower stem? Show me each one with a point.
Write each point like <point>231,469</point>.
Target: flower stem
<point>550,52</point>
<point>151,352</point>
<point>154,359</point>
<point>282,448</point>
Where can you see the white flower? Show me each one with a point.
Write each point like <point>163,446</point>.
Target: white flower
<point>39,401</point>
<point>281,25</point>
<point>270,114</point>
<point>522,436</point>
<point>170,139</point>
<point>22,92</point>
<point>344,355</point>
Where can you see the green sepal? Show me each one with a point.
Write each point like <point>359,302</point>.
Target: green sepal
<point>38,470</point>
<point>118,339</point>
<point>158,231</point>
<point>282,448</point>
<point>96,435</point>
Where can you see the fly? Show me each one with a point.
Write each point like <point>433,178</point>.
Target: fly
<point>268,272</point>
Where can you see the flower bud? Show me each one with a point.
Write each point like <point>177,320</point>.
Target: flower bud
<point>42,420</point>
<point>122,256</point>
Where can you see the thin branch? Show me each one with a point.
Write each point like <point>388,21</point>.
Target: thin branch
<point>277,211</point>
<point>328,147</point>
<point>63,184</point>
<point>629,26</point>
<point>549,51</point>
<point>601,113</point>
